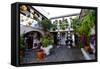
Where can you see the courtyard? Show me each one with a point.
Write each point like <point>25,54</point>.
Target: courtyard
<point>68,35</point>
<point>57,54</point>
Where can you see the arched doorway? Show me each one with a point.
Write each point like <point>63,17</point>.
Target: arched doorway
<point>32,39</point>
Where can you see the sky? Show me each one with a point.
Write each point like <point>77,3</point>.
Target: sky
<point>56,11</point>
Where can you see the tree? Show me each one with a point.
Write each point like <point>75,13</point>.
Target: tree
<point>46,24</point>
<point>87,22</point>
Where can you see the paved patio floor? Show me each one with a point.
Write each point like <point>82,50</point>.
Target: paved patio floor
<point>58,54</point>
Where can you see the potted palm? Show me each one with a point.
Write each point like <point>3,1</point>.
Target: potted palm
<point>87,22</point>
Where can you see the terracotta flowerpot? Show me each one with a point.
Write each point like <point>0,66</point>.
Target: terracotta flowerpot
<point>21,53</point>
<point>40,55</point>
<point>87,48</point>
<point>21,59</point>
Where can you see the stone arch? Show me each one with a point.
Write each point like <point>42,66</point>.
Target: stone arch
<point>26,29</point>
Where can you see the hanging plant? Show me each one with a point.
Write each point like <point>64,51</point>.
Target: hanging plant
<point>62,26</point>
<point>66,22</point>
<point>23,8</point>
<point>54,27</point>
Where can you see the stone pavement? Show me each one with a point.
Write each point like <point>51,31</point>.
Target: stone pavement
<point>58,54</point>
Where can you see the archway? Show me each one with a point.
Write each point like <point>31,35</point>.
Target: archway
<point>32,38</point>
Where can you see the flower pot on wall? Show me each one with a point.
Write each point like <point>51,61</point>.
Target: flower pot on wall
<point>23,8</point>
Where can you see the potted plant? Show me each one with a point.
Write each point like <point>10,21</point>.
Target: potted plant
<point>66,23</point>
<point>63,24</point>
<point>22,48</point>
<point>54,27</point>
<point>46,44</point>
<point>85,26</point>
<point>40,54</point>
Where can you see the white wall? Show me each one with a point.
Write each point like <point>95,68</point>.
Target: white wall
<point>5,36</point>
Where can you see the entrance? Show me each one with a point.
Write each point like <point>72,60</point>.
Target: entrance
<point>32,39</point>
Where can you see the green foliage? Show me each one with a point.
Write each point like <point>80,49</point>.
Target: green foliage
<point>54,26</point>
<point>87,23</point>
<point>22,44</point>
<point>84,24</point>
<point>74,24</point>
<point>46,24</point>
<point>64,24</point>
<point>46,40</point>
<point>22,47</point>
<point>80,45</point>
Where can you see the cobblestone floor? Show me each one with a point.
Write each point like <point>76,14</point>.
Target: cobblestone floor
<point>58,54</point>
